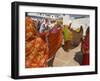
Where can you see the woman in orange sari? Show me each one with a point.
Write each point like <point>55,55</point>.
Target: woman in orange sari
<point>36,49</point>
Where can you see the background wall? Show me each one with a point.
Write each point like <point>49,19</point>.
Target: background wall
<point>5,40</point>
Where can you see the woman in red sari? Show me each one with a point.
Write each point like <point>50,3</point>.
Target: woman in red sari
<point>85,49</point>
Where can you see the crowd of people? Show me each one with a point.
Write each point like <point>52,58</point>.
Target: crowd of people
<point>46,24</point>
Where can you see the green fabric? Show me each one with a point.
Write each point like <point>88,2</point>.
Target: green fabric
<point>67,34</point>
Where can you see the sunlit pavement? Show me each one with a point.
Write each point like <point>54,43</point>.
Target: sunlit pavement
<point>64,58</point>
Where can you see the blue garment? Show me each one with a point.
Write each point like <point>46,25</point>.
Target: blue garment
<point>42,28</point>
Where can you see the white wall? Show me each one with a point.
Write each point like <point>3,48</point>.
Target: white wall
<point>5,40</point>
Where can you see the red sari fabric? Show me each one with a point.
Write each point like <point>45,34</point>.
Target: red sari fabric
<point>85,49</point>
